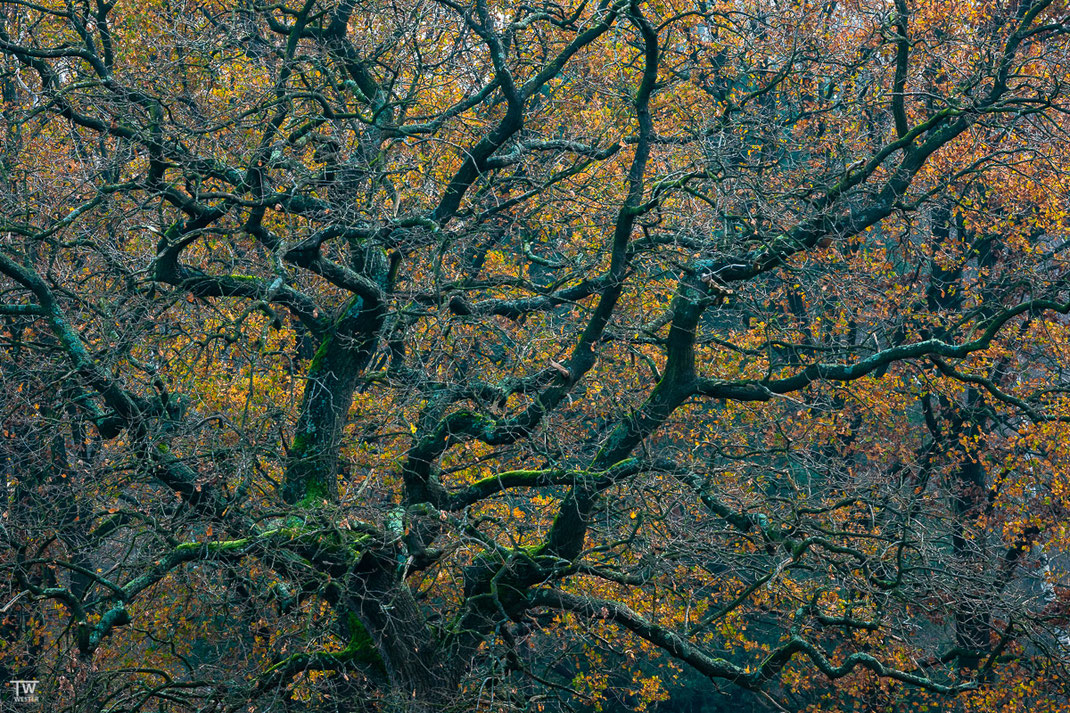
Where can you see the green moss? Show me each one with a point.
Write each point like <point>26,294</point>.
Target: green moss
<point>361,648</point>
<point>220,546</point>
<point>315,492</point>
<point>320,357</point>
<point>533,551</point>
<point>228,545</point>
<point>305,485</point>
<point>323,351</point>
<point>301,443</point>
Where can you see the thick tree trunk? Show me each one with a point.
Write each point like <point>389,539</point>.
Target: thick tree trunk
<point>331,380</point>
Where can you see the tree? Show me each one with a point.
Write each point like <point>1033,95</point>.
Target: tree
<point>432,355</point>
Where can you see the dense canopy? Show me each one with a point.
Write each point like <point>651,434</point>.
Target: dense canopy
<point>372,355</point>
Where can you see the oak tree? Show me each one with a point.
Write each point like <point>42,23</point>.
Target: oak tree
<point>376,355</point>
